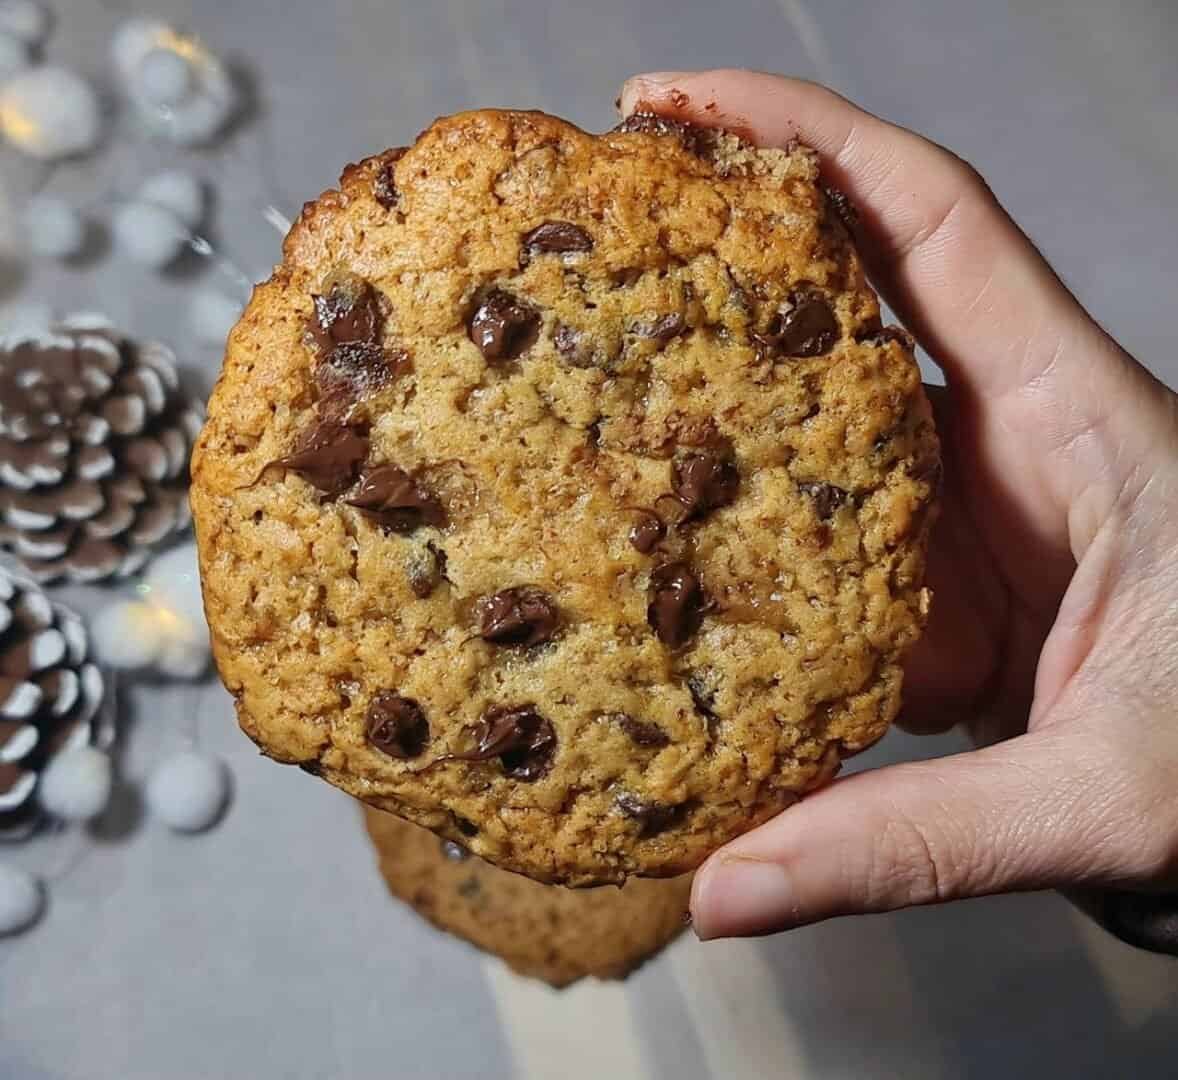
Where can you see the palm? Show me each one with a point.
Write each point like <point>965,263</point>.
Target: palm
<point>994,596</point>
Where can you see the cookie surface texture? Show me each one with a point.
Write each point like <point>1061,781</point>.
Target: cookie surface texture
<point>563,493</point>
<point>544,931</point>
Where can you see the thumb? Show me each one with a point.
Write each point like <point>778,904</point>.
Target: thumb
<point>1021,815</point>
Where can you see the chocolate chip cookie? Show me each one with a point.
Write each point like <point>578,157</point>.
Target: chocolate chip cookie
<point>545,931</point>
<point>564,494</point>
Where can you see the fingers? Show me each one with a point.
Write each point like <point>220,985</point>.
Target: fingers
<point>947,257</point>
<point>1023,815</point>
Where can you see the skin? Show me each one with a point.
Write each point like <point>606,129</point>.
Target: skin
<point>1054,633</point>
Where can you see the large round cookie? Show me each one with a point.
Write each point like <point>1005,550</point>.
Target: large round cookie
<point>546,931</point>
<point>564,494</point>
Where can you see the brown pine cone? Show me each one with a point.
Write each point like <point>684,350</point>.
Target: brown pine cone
<point>50,695</point>
<point>95,436</point>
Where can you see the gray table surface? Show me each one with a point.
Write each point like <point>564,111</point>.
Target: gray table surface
<point>267,948</point>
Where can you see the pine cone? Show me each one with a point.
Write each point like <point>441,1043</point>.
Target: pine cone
<point>95,436</point>
<point>49,695</point>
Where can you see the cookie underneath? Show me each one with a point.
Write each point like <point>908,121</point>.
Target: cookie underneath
<point>564,494</point>
<point>544,931</point>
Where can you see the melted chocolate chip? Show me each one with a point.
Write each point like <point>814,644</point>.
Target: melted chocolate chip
<point>843,207</point>
<point>646,532</point>
<point>503,327</point>
<point>384,184</point>
<point>426,568</point>
<point>574,346</point>
<point>396,725</point>
<point>703,698</point>
<point>652,818</point>
<point>454,852</point>
<point>519,736</point>
<point>662,329</point>
<point>805,326</point>
<point>885,334</point>
<point>389,495</point>
<point>676,606</point>
<point>827,498</point>
<point>671,509</point>
<point>648,123</point>
<point>554,237</point>
<point>467,828</point>
<point>704,481</point>
<point>523,615</point>
<point>641,732</point>
<point>349,311</point>
<point>352,371</point>
<point>327,455</point>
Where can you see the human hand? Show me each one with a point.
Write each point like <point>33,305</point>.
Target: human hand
<point>1054,631</point>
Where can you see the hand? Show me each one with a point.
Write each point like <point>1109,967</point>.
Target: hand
<point>1054,633</point>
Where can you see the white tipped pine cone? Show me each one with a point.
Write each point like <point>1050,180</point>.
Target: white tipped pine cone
<point>50,696</point>
<point>95,435</point>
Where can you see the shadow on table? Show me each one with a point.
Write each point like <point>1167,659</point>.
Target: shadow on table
<point>1003,986</point>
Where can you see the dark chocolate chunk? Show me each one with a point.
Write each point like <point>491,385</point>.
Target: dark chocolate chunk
<point>454,852</point>
<point>384,184</point>
<point>327,455</point>
<point>804,326</point>
<point>389,495</point>
<point>648,123</point>
<point>554,237</point>
<point>348,311</point>
<point>519,736</point>
<point>503,327</point>
<point>652,818</point>
<point>396,725</point>
<point>662,329</point>
<point>704,481</point>
<point>676,607</point>
<point>641,732</point>
<point>523,615</point>
<point>827,498</point>
<point>646,532</point>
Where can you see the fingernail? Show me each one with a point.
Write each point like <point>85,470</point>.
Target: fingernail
<point>633,88</point>
<point>738,895</point>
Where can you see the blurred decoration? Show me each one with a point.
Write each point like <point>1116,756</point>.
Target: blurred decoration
<point>21,900</point>
<point>53,696</point>
<point>177,191</point>
<point>14,55</point>
<point>188,792</point>
<point>95,434</point>
<point>178,88</point>
<point>148,233</point>
<point>162,631</point>
<point>53,228</point>
<point>50,113</point>
<point>76,785</point>
<point>25,21</point>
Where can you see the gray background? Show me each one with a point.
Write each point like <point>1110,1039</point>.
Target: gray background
<point>267,947</point>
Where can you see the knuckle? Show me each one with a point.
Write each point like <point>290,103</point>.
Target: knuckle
<point>910,865</point>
